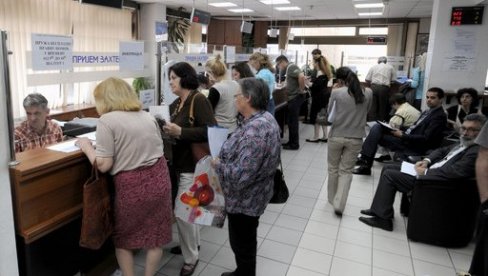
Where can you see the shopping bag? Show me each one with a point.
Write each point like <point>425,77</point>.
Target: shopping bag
<point>97,223</point>
<point>203,203</point>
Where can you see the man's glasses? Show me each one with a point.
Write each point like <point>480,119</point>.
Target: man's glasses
<point>469,129</point>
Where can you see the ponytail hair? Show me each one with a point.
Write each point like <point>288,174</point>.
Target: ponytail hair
<point>217,67</point>
<point>350,79</point>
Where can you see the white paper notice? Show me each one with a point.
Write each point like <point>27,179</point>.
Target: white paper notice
<point>147,98</point>
<point>131,55</point>
<point>230,54</point>
<point>459,63</point>
<point>216,138</point>
<point>408,168</point>
<point>68,146</point>
<point>161,111</point>
<point>52,52</point>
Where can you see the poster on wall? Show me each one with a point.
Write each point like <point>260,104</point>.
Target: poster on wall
<point>52,52</point>
<point>459,63</point>
<point>131,55</point>
<point>147,98</point>
<point>422,44</point>
<point>230,54</point>
<point>161,30</point>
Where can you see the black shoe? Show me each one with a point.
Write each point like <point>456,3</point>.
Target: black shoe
<point>368,212</point>
<point>324,140</point>
<point>227,274</point>
<point>383,158</point>
<point>362,170</point>
<point>312,140</point>
<point>290,147</point>
<point>338,213</point>
<point>385,224</point>
<point>188,269</point>
<point>177,250</point>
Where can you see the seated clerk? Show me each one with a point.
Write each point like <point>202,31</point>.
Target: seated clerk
<point>425,134</point>
<point>404,117</point>
<point>37,131</point>
<point>452,162</point>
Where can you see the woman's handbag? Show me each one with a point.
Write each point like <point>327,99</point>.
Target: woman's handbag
<point>280,190</point>
<point>321,118</point>
<point>198,149</point>
<point>97,224</point>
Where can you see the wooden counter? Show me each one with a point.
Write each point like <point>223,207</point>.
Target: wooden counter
<point>68,113</point>
<point>47,190</point>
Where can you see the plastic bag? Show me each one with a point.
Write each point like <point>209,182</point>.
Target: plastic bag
<point>204,202</point>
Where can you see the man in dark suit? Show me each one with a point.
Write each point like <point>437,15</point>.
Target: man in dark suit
<point>452,162</point>
<point>425,134</point>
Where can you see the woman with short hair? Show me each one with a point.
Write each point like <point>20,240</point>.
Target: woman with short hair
<point>129,146</point>
<point>246,167</point>
<point>468,100</point>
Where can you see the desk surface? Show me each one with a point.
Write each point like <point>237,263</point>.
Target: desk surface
<point>47,190</point>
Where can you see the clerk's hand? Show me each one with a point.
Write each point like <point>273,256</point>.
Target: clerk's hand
<point>172,129</point>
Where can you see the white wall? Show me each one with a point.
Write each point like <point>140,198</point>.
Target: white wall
<point>150,13</point>
<point>442,45</point>
<point>8,255</point>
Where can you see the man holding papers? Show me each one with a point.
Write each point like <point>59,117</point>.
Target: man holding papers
<point>451,162</point>
<point>423,135</point>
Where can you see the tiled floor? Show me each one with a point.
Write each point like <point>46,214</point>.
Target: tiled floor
<point>304,238</point>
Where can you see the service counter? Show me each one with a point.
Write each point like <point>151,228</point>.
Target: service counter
<point>47,195</point>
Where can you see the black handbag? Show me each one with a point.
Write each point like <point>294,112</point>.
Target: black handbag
<point>280,190</point>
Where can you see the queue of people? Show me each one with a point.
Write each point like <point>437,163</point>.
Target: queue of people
<point>249,157</point>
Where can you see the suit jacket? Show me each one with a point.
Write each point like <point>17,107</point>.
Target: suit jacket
<point>462,165</point>
<point>429,133</point>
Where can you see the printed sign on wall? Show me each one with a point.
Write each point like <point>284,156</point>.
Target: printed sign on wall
<point>131,55</point>
<point>52,52</point>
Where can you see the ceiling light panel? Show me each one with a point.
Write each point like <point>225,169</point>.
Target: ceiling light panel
<point>369,13</point>
<point>222,4</point>
<point>294,8</point>
<point>240,10</point>
<point>369,5</point>
<point>274,2</point>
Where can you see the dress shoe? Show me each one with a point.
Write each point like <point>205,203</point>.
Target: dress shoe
<point>338,213</point>
<point>383,158</point>
<point>290,147</point>
<point>323,140</point>
<point>227,274</point>
<point>385,224</point>
<point>368,212</point>
<point>362,170</point>
<point>313,140</point>
<point>188,269</point>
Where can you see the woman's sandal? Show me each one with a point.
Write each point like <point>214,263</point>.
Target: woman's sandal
<point>188,269</point>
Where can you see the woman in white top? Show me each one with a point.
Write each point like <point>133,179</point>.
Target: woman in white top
<point>221,94</point>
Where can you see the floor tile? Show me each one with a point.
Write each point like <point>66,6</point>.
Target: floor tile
<point>393,262</point>
<point>269,217</point>
<point>395,246</point>
<point>356,237</point>
<point>215,235</point>
<point>298,271</point>
<point>277,251</point>
<point>382,272</point>
<point>430,269</point>
<point>224,258</point>
<point>284,235</point>
<point>344,267</point>
<point>297,211</point>
<point>325,217</point>
<point>461,262</point>
<point>307,192</point>
<point>317,243</point>
<point>291,222</point>
<point>312,260</point>
<point>322,229</point>
<point>353,252</point>
<point>429,253</point>
<point>302,201</point>
<point>267,267</point>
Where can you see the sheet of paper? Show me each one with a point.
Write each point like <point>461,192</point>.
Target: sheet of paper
<point>59,123</point>
<point>90,135</point>
<point>386,125</point>
<point>216,138</point>
<point>408,168</point>
<point>68,146</point>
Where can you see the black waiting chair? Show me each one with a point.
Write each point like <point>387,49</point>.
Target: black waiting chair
<point>443,213</point>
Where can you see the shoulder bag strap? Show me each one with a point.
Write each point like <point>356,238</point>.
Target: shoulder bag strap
<point>192,118</point>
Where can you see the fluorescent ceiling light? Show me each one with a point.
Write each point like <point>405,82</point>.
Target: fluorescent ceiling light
<point>369,13</point>
<point>223,4</point>
<point>294,8</point>
<point>274,2</point>
<point>240,10</point>
<point>369,5</point>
